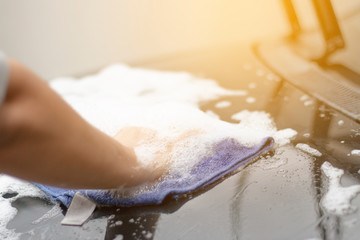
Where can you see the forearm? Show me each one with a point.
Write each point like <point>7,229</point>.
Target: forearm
<point>42,139</point>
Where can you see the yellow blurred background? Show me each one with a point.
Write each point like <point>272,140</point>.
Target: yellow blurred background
<point>74,37</point>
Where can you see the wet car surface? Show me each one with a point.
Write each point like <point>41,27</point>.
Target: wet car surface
<point>276,197</point>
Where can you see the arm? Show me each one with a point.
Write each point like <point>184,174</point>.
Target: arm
<point>42,139</point>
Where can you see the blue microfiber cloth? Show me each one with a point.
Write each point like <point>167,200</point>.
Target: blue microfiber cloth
<point>226,157</point>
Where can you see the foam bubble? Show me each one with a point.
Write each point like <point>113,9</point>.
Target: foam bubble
<point>131,92</point>
<point>12,185</point>
<point>119,237</point>
<point>306,148</point>
<point>190,133</point>
<point>304,98</point>
<point>261,122</point>
<point>163,101</point>
<point>355,152</point>
<point>118,223</point>
<point>223,104</point>
<point>337,199</point>
<point>340,122</point>
<point>308,103</point>
<point>284,136</point>
<point>307,135</point>
<point>250,99</point>
<point>167,102</point>
<point>148,235</point>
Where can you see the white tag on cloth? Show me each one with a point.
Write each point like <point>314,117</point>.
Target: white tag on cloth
<point>79,211</point>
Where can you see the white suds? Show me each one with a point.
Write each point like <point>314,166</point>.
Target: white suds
<point>119,237</point>
<point>223,104</point>
<point>306,148</point>
<point>261,122</point>
<point>340,122</point>
<point>118,223</point>
<point>148,235</point>
<point>284,136</point>
<point>308,103</point>
<point>304,98</point>
<point>355,152</point>
<point>10,185</point>
<point>165,102</point>
<point>250,100</point>
<point>337,199</point>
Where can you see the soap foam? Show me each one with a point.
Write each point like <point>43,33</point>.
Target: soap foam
<point>340,122</point>
<point>131,92</point>
<point>172,120</point>
<point>337,199</point>
<point>119,237</point>
<point>306,148</point>
<point>250,99</point>
<point>355,152</point>
<point>261,122</point>
<point>163,101</point>
<point>223,104</point>
<point>12,185</point>
<point>166,102</point>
